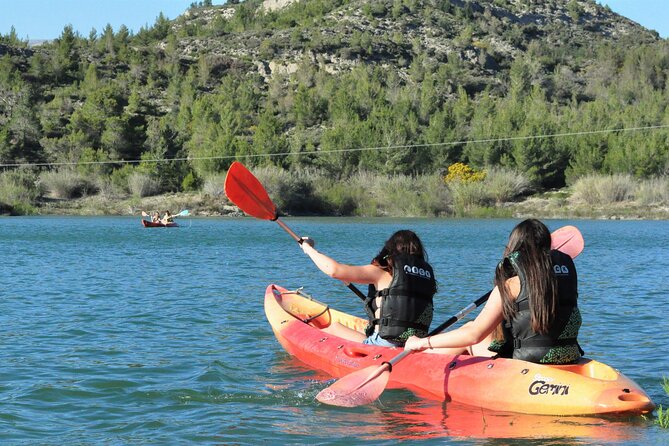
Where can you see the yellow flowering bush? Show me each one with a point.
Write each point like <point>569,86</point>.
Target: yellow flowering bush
<point>462,173</point>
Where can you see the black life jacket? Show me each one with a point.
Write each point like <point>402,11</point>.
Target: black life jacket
<point>523,343</point>
<point>406,305</point>
<point>370,309</point>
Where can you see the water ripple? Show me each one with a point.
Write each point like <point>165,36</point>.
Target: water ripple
<point>116,334</point>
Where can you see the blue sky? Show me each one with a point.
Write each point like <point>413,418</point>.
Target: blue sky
<point>45,19</point>
<point>653,14</point>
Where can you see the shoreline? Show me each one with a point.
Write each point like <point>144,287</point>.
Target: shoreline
<point>551,206</point>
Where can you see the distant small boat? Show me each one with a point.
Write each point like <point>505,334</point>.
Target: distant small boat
<point>157,224</point>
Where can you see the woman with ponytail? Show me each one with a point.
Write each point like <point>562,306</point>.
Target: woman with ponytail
<point>532,313</point>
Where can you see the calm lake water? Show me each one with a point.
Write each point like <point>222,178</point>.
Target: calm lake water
<point>111,333</point>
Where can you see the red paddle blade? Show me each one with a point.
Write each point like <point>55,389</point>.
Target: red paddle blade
<point>246,192</point>
<point>357,388</point>
<point>569,240</point>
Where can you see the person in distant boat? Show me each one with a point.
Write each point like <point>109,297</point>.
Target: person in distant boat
<point>532,312</point>
<point>155,217</point>
<point>401,287</point>
<point>167,218</point>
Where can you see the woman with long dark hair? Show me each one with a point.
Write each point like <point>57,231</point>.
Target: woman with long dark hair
<point>532,312</point>
<point>402,284</point>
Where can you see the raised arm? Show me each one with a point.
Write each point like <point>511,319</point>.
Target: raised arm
<point>469,334</point>
<point>348,273</point>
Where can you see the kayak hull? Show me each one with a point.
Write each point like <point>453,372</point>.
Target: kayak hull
<point>588,387</point>
<point>152,224</point>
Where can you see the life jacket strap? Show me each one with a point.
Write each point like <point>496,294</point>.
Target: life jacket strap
<point>409,324</point>
<point>517,343</point>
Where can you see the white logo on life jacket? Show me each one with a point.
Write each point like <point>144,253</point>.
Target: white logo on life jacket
<point>560,269</point>
<point>415,271</point>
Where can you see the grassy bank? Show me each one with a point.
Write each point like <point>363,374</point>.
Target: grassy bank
<point>460,192</point>
<point>662,413</point>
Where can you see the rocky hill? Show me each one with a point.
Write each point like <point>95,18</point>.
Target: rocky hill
<point>481,38</point>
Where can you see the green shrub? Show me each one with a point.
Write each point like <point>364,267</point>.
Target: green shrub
<point>291,191</point>
<point>67,184</point>
<point>604,189</point>
<point>654,191</point>
<point>191,182</point>
<point>142,185</point>
<point>467,196</point>
<point>105,187</point>
<point>368,194</point>
<point>214,185</point>
<point>403,195</point>
<point>662,414</point>
<point>505,185</point>
<point>19,190</point>
<point>310,191</point>
<point>119,178</point>
<point>340,198</point>
<point>474,192</point>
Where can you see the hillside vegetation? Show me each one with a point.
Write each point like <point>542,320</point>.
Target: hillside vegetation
<point>551,91</point>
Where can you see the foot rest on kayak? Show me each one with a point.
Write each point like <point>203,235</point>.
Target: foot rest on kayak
<point>298,311</point>
<point>317,324</point>
<point>311,319</point>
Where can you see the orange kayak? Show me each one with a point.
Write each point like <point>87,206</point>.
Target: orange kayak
<point>588,387</point>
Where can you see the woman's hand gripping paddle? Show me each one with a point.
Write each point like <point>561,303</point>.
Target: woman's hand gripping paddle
<point>366,385</point>
<point>249,195</point>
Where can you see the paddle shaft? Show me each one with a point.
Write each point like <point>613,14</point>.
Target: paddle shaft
<point>299,240</point>
<point>244,190</point>
<point>180,214</point>
<point>453,319</point>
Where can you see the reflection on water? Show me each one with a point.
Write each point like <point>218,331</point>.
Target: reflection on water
<point>402,415</point>
<point>457,420</point>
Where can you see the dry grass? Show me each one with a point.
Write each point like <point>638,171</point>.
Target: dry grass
<point>67,184</point>
<point>499,186</point>
<point>142,185</point>
<point>654,191</point>
<point>595,190</point>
